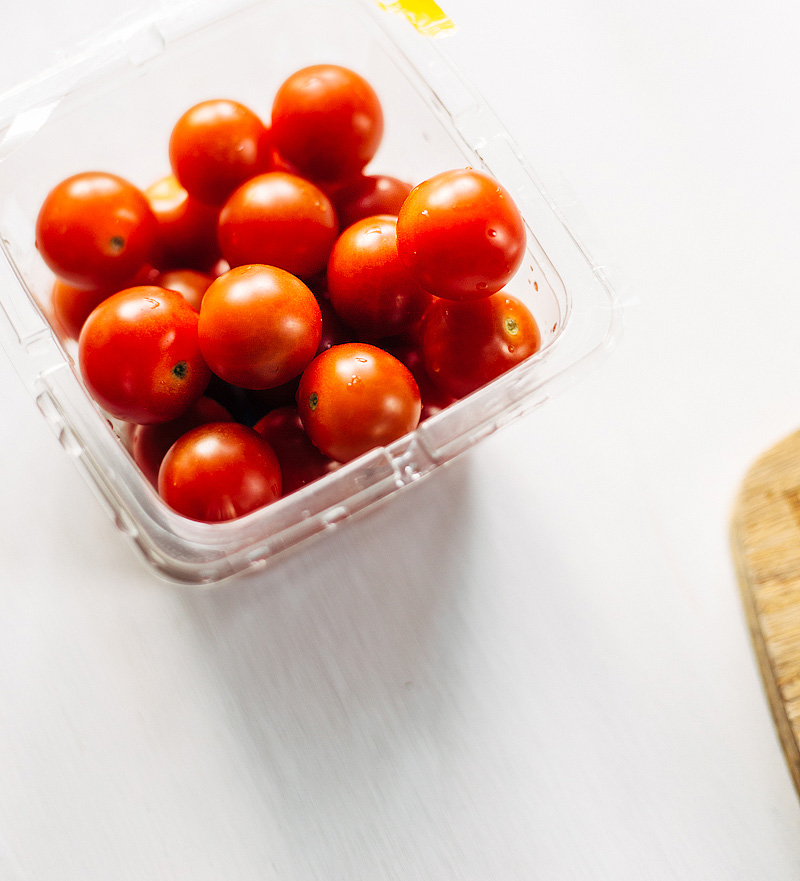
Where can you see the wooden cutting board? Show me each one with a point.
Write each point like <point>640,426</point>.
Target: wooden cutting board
<point>765,537</point>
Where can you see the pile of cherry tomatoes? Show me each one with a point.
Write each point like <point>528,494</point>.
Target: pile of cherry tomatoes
<point>268,310</point>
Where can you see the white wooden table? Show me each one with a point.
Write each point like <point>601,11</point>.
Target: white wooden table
<point>534,666</point>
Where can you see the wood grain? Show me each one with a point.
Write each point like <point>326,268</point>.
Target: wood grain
<point>765,539</point>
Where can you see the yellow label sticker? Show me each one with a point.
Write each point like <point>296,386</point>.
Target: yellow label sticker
<point>426,16</point>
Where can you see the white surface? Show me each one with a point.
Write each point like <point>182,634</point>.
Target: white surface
<point>533,666</point>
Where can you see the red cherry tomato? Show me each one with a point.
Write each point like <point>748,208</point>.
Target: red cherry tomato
<point>460,235</point>
<point>187,228</point>
<point>95,230</point>
<point>216,146</point>
<point>219,471</point>
<point>259,326</point>
<point>327,122</point>
<point>189,283</point>
<point>367,196</point>
<point>466,344</point>
<point>139,355</point>
<point>369,287</point>
<point>355,397</point>
<point>281,220</point>
<point>149,443</point>
<point>301,462</point>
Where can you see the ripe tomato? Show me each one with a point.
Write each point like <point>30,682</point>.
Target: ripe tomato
<point>219,471</point>
<point>281,220</point>
<point>149,443</point>
<point>367,196</point>
<point>216,146</point>
<point>301,462</point>
<point>189,283</point>
<point>327,122</point>
<point>369,287</point>
<point>466,344</point>
<point>355,397</point>
<point>187,228</point>
<point>259,326</point>
<point>95,230</point>
<point>460,235</point>
<point>139,355</point>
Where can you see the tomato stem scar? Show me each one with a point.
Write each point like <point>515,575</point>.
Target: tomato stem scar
<point>312,401</point>
<point>180,370</point>
<point>511,326</point>
<point>117,244</point>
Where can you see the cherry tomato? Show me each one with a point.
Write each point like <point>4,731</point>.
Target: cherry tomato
<point>95,230</point>
<point>219,471</point>
<point>216,146</point>
<point>187,228</point>
<point>139,355</point>
<point>355,397</point>
<point>369,287</point>
<point>466,344</point>
<point>301,462</point>
<point>460,235</point>
<point>259,326</point>
<point>279,219</point>
<point>189,283</point>
<point>149,443</point>
<point>327,122</point>
<point>367,196</point>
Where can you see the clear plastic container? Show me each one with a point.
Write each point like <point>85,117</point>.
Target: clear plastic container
<point>111,107</point>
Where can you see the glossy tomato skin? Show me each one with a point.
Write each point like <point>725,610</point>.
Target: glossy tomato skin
<point>327,122</point>
<point>467,344</point>
<point>214,147</point>
<point>95,230</point>
<point>219,471</point>
<point>369,195</point>
<point>355,397</point>
<point>189,283</point>
<point>281,220</point>
<point>139,355</point>
<point>460,235</point>
<point>259,326</point>
<point>149,443</point>
<point>301,462</point>
<point>369,287</point>
<point>187,228</point>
